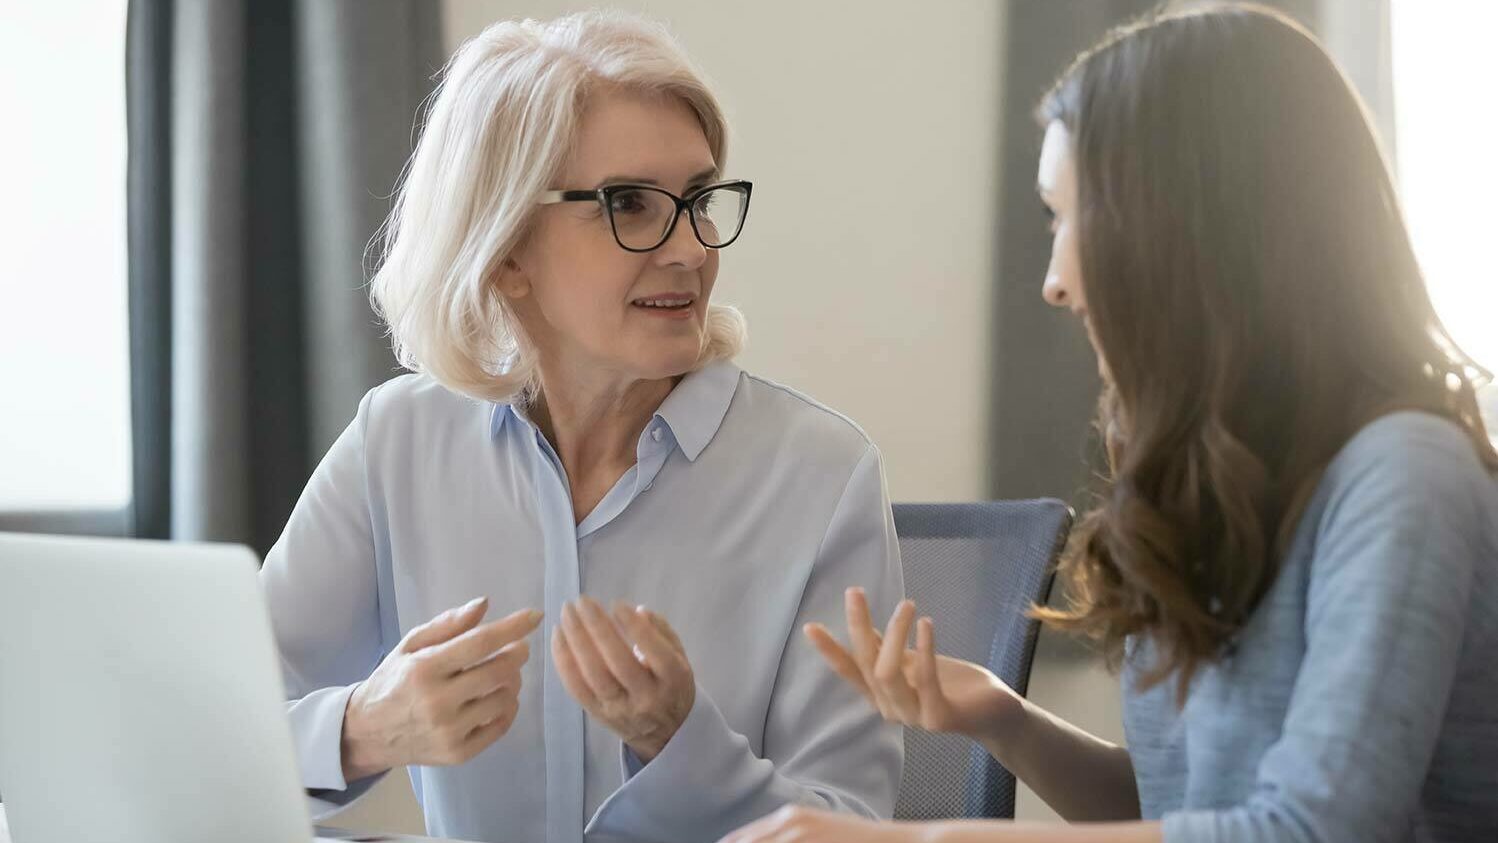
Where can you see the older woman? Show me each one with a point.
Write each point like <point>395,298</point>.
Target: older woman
<point>578,447</point>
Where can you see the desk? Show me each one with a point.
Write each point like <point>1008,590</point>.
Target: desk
<point>326,833</point>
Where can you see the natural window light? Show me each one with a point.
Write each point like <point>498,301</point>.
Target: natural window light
<point>65,419</point>
<point>1446,115</point>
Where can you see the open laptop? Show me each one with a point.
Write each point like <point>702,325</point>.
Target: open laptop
<point>140,696</point>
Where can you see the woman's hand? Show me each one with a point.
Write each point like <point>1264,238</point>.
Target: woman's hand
<point>629,671</point>
<point>448,691</point>
<point>916,687</point>
<point>795,824</point>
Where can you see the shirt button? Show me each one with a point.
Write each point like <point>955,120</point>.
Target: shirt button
<point>656,434</point>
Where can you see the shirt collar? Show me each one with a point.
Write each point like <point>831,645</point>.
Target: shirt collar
<point>694,410</point>
<point>497,416</point>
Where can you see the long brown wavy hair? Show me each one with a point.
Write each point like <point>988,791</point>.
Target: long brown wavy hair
<point>1255,297</point>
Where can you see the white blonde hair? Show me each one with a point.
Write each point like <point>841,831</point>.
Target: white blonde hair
<point>503,121</point>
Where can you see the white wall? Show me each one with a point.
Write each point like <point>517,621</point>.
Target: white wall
<point>870,132</point>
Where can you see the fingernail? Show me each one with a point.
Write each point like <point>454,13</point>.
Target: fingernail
<point>474,602</point>
<point>535,616</point>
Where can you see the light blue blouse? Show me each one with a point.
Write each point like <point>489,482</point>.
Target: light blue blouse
<point>751,508</point>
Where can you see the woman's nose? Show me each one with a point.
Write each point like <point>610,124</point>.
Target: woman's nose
<point>683,248</point>
<point>1054,291</point>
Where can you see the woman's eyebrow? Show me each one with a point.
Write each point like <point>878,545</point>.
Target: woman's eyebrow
<point>625,179</point>
<point>707,175</point>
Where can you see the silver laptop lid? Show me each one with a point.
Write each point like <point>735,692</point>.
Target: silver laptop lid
<point>140,696</point>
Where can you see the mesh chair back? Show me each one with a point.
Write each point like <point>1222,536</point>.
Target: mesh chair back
<point>976,568</point>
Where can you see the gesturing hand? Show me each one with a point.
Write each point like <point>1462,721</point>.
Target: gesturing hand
<point>915,687</point>
<point>629,671</point>
<point>447,691</point>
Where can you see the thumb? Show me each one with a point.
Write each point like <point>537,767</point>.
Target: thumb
<point>446,626</point>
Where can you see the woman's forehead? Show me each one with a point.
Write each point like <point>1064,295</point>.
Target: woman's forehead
<point>645,137</point>
<point>1055,158</point>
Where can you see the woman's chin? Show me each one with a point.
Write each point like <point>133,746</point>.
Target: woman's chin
<point>670,363</point>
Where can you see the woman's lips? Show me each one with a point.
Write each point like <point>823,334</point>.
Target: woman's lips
<point>670,305</point>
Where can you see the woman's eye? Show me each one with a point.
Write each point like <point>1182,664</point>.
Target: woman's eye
<point>1050,215</point>
<point>627,202</point>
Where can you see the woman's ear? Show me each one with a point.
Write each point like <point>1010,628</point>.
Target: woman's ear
<point>512,281</point>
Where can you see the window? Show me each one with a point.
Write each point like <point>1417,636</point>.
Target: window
<point>64,401</point>
<point>1446,116</point>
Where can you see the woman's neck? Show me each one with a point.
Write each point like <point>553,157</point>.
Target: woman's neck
<point>594,422</point>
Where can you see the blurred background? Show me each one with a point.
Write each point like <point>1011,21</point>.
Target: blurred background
<point>192,186</point>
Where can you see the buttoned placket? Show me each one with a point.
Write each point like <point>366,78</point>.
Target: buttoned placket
<point>563,728</point>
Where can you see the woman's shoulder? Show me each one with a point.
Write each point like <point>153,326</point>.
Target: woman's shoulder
<point>1416,451</point>
<point>414,400</point>
<point>797,418</point>
<point>1403,471</point>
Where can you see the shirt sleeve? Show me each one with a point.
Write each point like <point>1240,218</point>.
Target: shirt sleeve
<point>1388,599</point>
<point>824,745</point>
<point>320,587</point>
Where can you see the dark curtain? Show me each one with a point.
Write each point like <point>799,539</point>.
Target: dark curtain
<point>1045,375</point>
<point>264,140</point>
